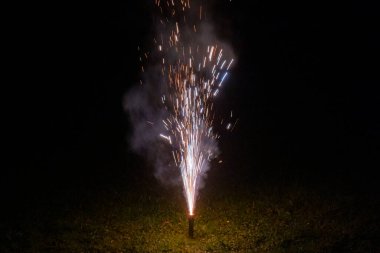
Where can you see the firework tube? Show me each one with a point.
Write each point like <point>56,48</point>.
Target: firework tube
<point>191,226</point>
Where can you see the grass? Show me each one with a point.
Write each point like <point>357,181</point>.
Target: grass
<point>229,218</point>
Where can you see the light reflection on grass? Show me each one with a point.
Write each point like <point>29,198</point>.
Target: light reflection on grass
<point>291,219</point>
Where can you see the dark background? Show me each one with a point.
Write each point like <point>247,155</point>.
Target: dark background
<point>305,88</point>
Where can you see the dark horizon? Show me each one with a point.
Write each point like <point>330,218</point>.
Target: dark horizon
<point>303,87</point>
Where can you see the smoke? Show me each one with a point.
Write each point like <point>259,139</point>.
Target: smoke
<point>144,103</point>
<point>146,114</point>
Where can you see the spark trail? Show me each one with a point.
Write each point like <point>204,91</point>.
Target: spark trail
<point>193,72</point>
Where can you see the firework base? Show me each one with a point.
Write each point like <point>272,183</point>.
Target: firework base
<point>191,226</point>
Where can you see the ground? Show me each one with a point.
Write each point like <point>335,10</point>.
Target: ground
<point>230,217</point>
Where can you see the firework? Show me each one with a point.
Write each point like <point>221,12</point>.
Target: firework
<point>191,226</point>
<point>193,72</point>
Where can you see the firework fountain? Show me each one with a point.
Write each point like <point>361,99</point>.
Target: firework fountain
<point>193,71</point>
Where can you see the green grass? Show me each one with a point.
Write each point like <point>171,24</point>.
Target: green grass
<point>228,219</point>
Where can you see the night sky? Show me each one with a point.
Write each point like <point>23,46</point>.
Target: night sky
<point>305,88</point>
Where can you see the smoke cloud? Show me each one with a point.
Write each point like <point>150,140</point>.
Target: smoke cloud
<point>143,103</point>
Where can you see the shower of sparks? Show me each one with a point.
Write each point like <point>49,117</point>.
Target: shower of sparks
<point>194,74</point>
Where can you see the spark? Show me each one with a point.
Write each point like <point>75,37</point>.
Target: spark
<point>192,76</point>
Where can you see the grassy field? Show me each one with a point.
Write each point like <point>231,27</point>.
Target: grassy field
<point>147,217</point>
